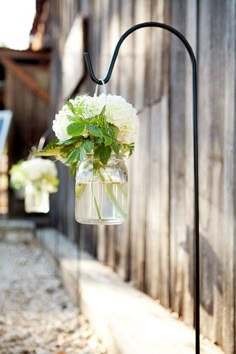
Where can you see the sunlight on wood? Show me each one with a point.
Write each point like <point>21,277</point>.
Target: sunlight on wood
<point>15,28</point>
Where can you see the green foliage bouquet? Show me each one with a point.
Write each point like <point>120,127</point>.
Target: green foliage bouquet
<point>93,134</point>
<point>102,125</point>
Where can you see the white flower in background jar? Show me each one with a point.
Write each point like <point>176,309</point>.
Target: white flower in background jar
<point>38,177</point>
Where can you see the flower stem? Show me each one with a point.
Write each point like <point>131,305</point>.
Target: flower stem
<point>96,204</point>
<point>115,202</point>
<point>112,196</point>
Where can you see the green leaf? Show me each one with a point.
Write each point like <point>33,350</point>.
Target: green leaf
<point>81,155</point>
<point>73,156</point>
<point>51,149</point>
<point>66,150</point>
<point>99,141</point>
<point>116,148</point>
<point>113,131</point>
<point>79,190</point>
<point>104,154</point>
<point>49,152</point>
<point>102,114</point>
<point>72,118</point>
<point>94,130</point>
<point>73,168</point>
<point>51,144</point>
<point>127,148</point>
<point>76,119</point>
<point>108,140</point>
<point>70,106</point>
<point>75,129</point>
<point>68,141</point>
<point>88,145</point>
<point>97,151</point>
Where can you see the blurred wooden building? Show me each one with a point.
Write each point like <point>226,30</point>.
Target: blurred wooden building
<point>25,90</point>
<point>154,249</point>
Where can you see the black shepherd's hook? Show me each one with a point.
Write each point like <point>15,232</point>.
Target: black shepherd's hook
<point>196,275</point>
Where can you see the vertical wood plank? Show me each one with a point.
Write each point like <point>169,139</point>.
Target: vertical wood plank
<point>141,41</point>
<point>177,162</point>
<point>157,234</point>
<point>229,252</point>
<point>140,163</point>
<point>97,46</point>
<point>113,236</point>
<point>126,90</point>
<point>156,76</point>
<point>213,44</point>
<point>139,176</point>
<point>154,232</point>
<point>188,245</point>
<point>104,38</point>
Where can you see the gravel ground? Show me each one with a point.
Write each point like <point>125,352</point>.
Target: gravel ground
<point>36,314</point>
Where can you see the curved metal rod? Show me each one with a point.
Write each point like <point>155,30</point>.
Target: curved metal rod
<point>195,149</point>
<point>121,40</point>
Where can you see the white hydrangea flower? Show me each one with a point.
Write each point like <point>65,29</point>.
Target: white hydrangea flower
<point>38,172</point>
<point>124,116</point>
<point>93,105</point>
<point>128,132</point>
<point>61,122</point>
<point>17,177</point>
<point>37,168</point>
<point>118,112</point>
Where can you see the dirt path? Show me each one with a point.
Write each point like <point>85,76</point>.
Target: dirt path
<point>36,314</point>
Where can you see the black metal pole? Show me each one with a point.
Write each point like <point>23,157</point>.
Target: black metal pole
<point>195,149</point>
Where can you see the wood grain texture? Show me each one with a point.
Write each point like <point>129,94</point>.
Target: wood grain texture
<point>126,74</point>
<point>25,54</point>
<point>154,249</point>
<point>188,246</point>
<point>138,202</point>
<point>229,252</point>
<point>177,161</point>
<point>26,79</point>
<point>217,166</point>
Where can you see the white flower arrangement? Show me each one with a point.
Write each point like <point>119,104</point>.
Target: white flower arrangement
<point>40,173</point>
<point>102,125</point>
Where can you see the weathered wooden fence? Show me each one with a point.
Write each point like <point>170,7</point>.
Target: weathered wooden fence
<point>154,248</point>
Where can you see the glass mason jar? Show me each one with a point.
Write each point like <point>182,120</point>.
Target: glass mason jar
<point>36,200</point>
<point>101,192</point>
